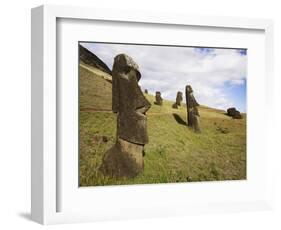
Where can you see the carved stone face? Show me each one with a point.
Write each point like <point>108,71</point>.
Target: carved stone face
<point>190,99</point>
<point>192,110</point>
<point>158,98</point>
<point>179,98</point>
<point>188,89</point>
<point>125,158</point>
<point>128,101</point>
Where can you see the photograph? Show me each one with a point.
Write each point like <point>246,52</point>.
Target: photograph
<point>151,113</point>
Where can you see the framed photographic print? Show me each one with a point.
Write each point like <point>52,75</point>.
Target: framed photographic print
<point>139,114</point>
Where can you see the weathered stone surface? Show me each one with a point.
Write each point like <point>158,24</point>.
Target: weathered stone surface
<point>125,158</point>
<point>178,100</point>
<point>158,98</point>
<point>235,114</point>
<point>192,110</point>
<point>128,101</point>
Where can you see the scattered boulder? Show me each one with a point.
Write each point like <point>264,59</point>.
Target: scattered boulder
<point>235,114</point>
<point>192,110</point>
<point>125,158</point>
<point>158,98</point>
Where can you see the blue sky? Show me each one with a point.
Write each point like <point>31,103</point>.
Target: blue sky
<point>218,76</point>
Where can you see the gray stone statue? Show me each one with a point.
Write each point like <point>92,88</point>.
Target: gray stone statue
<point>192,110</point>
<point>234,113</point>
<point>146,91</point>
<point>125,158</point>
<point>178,100</point>
<point>158,98</point>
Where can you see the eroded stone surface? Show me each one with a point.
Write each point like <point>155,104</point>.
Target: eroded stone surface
<point>178,100</point>
<point>125,158</point>
<point>192,110</point>
<point>158,98</point>
<point>234,113</point>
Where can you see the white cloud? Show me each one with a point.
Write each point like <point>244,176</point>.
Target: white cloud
<point>170,69</point>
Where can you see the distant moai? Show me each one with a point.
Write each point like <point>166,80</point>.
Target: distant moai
<point>234,113</point>
<point>146,91</point>
<point>125,158</point>
<point>158,98</point>
<point>178,100</point>
<point>192,110</point>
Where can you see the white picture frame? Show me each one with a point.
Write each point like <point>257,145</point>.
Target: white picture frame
<point>45,162</point>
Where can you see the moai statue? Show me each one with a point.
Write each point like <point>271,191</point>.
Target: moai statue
<point>158,98</point>
<point>178,100</point>
<point>125,158</point>
<point>146,91</point>
<point>234,113</point>
<point>192,110</point>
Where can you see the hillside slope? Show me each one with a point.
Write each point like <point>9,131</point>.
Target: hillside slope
<point>174,153</point>
<point>91,59</point>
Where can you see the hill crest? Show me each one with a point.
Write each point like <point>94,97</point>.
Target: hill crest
<point>89,58</point>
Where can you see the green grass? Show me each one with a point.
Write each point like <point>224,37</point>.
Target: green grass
<point>95,91</point>
<point>174,153</point>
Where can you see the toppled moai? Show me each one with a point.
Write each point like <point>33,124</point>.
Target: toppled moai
<point>178,100</point>
<point>146,91</point>
<point>158,98</point>
<point>125,158</point>
<point>192,110</point>
<point>234,113</point>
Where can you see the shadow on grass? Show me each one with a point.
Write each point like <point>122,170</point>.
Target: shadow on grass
<point>179,119</point>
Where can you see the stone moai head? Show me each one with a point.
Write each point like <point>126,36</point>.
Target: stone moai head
<point>158,98</point>
<point>146,91</point>
<point>179,98</point>
<point>188,89</point>
<point>234,113</point>
<point>192,110</point>
<point>125,158</point>
<point>128,100</point>
<point>190,99</point>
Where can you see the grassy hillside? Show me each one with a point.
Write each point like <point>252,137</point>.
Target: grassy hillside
<point>89,58</point>
<point>174,153</point>
<point>95,89</point>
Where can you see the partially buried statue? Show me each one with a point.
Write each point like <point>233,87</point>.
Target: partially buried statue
<point>192,110</point>
<point>125,158</point>
<point>158,98</point>
<point>178,100</point>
